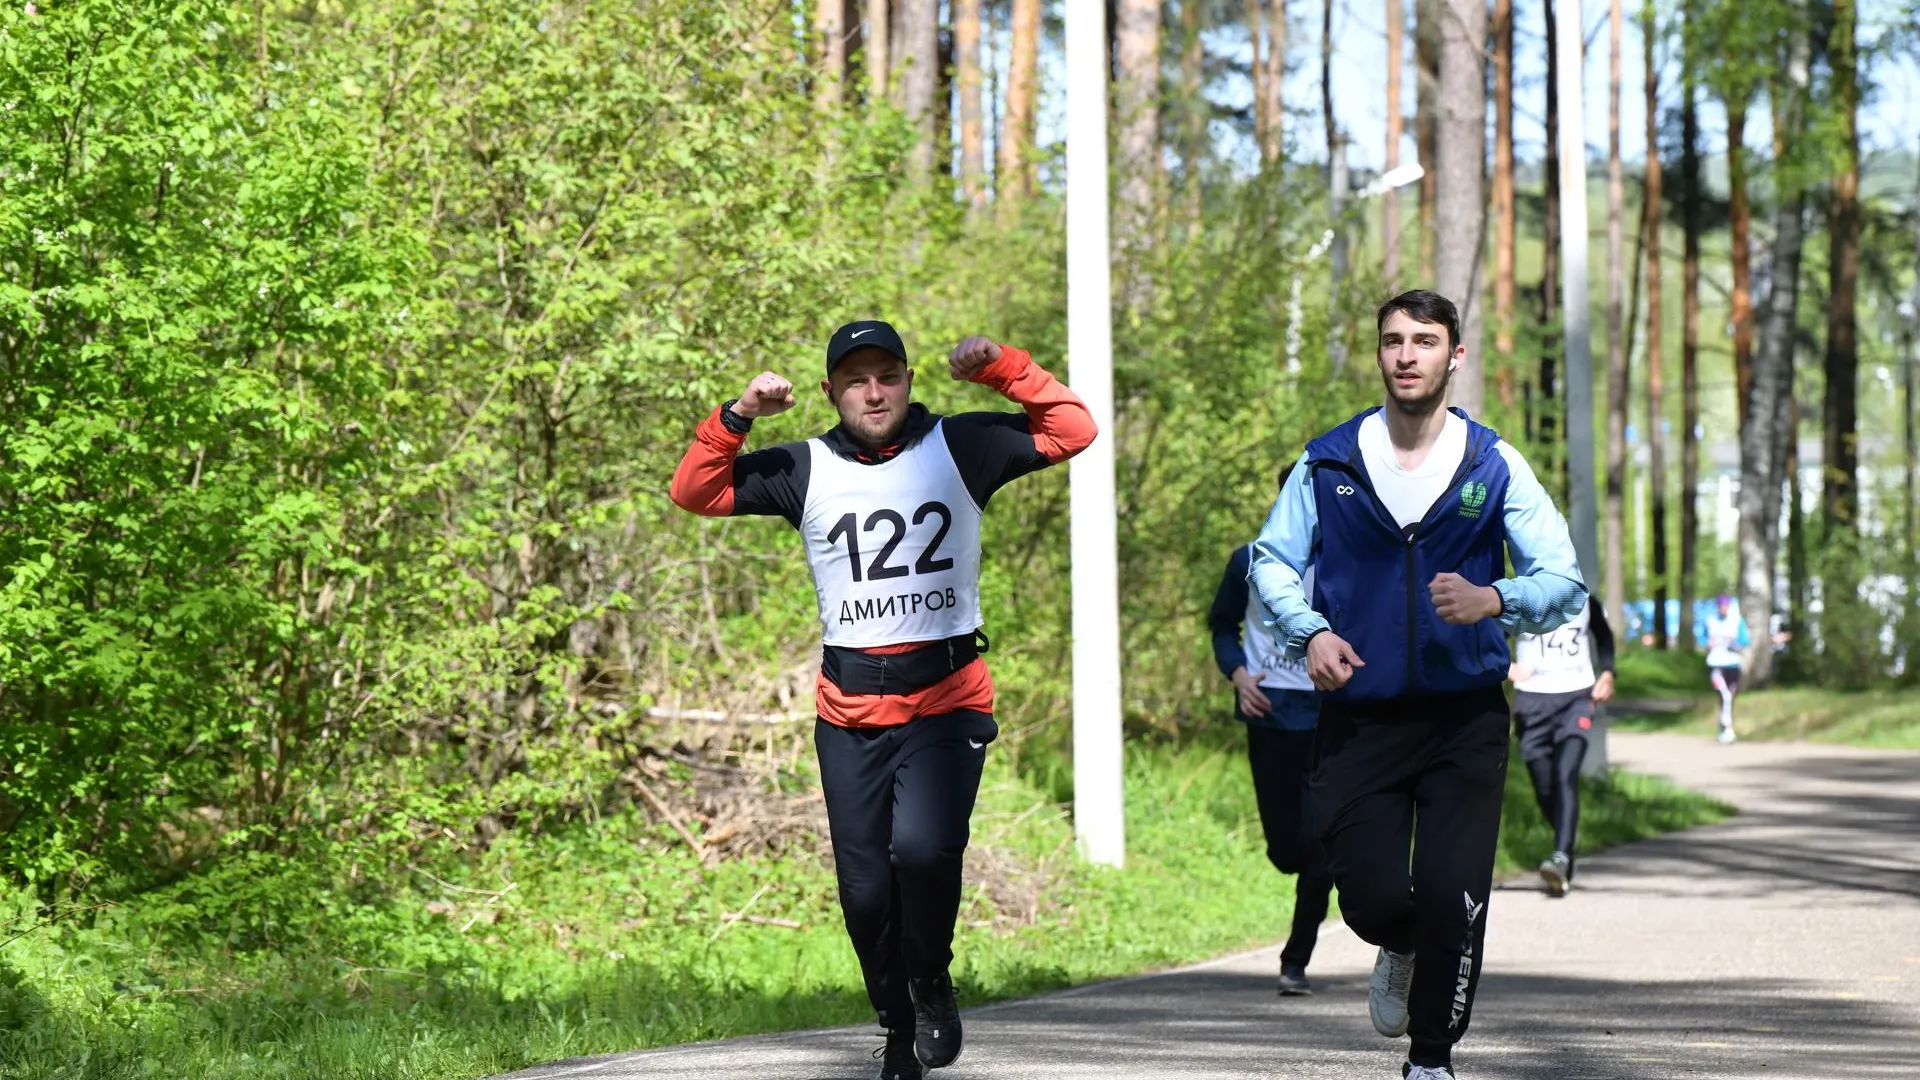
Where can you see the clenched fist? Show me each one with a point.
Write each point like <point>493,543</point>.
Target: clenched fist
<point>766,395</point>
<point>1461,602</point>
<point>1331,662</point>
<point>971,357</point>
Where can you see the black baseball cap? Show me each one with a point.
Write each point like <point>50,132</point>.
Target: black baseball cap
<point>864,334</point>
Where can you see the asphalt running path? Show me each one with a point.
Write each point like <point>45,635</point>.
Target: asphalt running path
<point>1782,943</point>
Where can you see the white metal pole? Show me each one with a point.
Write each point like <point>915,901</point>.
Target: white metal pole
<point>1099,812</point>
<point>1582,512</point>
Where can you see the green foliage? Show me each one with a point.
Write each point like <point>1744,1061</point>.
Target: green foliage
<point>348,352</point>
<point>189,325</point>
<point>613,938</point>
<point>1886,717</point>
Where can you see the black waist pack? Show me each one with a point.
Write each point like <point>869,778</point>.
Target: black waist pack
<point>858,672</point>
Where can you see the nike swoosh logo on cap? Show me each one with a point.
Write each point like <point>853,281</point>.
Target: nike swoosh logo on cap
<point>857,333</point>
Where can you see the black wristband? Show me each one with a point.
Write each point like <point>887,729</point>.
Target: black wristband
<point>733,421</point>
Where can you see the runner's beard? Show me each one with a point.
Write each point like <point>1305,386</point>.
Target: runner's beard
<point>1425,403</point>
<point>874,440</point>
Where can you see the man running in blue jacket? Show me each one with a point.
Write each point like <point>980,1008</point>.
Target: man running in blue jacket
<point>1280,707</point>
<point>1408,513</point>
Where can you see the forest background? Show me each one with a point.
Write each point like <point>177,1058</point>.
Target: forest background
<point>366,708</point>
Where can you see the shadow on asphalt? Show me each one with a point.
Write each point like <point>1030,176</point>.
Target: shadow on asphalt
<point>1836,839</point>
<point>1833,836</point>
<point>1603,1028</point>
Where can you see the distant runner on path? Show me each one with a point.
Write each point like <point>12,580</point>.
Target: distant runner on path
<point>1558,678</point>
<point>1406,513</point>
<point>889,503</point>
<point>1276,701</point>
<point>1727,634</point>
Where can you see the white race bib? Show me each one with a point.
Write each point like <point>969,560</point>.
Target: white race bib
<point>1562,660</point>
<point>894,547</point>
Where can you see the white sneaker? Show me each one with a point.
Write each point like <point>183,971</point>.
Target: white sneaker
<point>1726,735</point>
<point>1426,1072</point>
<point>1387,999</point>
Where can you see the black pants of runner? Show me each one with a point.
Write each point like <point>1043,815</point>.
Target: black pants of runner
<point>1407,795</point>
<point>1281,762</point>
<point>1552,730</point>
<point>899,801</point>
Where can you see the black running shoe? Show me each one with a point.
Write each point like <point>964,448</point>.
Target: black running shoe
<point>1293,981</point>
<point>936,1020</point>
<point>896,1058</point>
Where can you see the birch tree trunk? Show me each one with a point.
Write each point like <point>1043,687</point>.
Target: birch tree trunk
<point>966,65</point>
<point>1504,224</point>
<point>1767,430</point>
<point>1614,556</point>
<point>1016,136</point>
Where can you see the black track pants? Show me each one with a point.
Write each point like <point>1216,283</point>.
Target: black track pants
<point>898,804</point>
<point>1552,731</point>
<point>1281,762</point>
<point>1417,782</point>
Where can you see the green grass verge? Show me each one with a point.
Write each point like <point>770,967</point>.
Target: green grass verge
<point>615,939</point>
<point>1671,694</point>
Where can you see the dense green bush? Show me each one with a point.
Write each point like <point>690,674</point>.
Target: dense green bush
<point>350,350</point>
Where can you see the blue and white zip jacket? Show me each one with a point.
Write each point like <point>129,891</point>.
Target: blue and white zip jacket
<point>1371,575</point>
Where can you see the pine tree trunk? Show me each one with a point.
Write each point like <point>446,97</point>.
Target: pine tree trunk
<point>1550,257</point>
<point>830,34</point>
<point>1460,202</point>
<point>918,65</point>
<point>1193,97</point>
<point>1257,72</point>
<point>1426,50</point>
<point>1137,116</point>
<point>1689,340</point>
<point>1839,491</point>
<point>1740,253</point>
<point>1276,79</point>
<point>1614,557</point>
<point>1656,374</point>
<point>1023,70</point>
<point>1390,202</point>
<point>1504,225</point>
<point>1327,115</point>
<point>878,39</point>
<point>973,143</point>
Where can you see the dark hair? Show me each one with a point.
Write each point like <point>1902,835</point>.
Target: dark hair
<point>1424,305</point>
